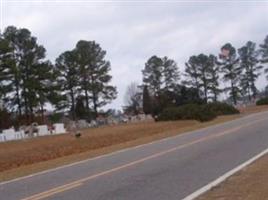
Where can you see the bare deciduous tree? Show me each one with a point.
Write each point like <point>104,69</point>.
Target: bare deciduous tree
<point>133,98</point>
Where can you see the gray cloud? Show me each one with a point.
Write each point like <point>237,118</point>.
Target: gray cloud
<point>131,32</point>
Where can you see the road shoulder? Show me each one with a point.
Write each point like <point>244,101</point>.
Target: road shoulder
<point>250,183</point>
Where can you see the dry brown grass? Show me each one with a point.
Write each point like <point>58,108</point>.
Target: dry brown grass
<point>19,158</point>
<point>18,153</point>
<point>253,109</point>
<point>248,184</point>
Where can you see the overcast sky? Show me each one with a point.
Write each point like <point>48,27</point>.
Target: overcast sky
<point>132,31</point>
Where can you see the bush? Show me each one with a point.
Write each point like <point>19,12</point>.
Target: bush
<point>205,113</point>
<point>189,111</point>
<point>222,108</point>
<point>176,113</point>
<point>201,113</point>
<point>170,113</point>
<point>262,101</point>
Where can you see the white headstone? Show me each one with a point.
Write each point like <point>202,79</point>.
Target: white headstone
<point>19,135</point>
<point>142,117</point>
<point>9,134</point>
<point>82,124</point>
<point>42,130</point>
<point>2,137</point>
<point>59,128</point>
<point>93,123</point>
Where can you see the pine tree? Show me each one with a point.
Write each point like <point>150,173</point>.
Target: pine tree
<point>11,76</point>
<point>250,67</point>
<point>231,70</point>
<point>192,73</point>
<point>170,73</point>
<point>214,76</point>
<point>67,78</point>
<point>44,88</point>
<point>94,72</point>
<point>26,55</point>
<point>5,73</point>
<point>80,110</point>
<point>264,54</point>
<point>153,75</point>
<point>147,103</point>
<point>197,72</point>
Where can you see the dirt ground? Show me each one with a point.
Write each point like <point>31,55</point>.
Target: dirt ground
<point>18,158</point>
<point>249,184</point>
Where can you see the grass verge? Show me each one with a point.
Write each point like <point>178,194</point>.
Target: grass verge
<point>249,184</point>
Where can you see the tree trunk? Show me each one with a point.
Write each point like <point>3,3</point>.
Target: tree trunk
<point>73,105</point>
<point>31,114</point>
<point>205,89</point>
<point>215,96</point>
<point>206,94</point>
<point>26,109</point>
<point>18,98</point>
<point>42,113</point>
<point>254,91</point>
<point>249,96</point>
<point>95,106</point>
<point>87,100</point>
<point>233,92</point>
<point>94,97</point>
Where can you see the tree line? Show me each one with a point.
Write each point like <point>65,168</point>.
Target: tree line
<point>78,82</point>
<point>233,71</point>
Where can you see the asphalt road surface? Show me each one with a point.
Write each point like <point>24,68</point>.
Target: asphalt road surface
<point>168,169</point>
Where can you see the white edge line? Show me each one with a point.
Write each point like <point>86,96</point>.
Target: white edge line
<point>222,178</point>
<point>123,150</point>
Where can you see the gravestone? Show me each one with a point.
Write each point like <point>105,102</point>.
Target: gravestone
<point>59,128</point>
<point>2,137</point>
<point>42,130</point>
<point>81,124</point>
<point>9,134</point>
<point>19,135</point>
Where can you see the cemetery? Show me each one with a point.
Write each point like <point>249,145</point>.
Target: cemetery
<point>33,130</point>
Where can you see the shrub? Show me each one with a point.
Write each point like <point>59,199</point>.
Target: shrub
<point>206,113</point>
<point>201,113</point>
<point>262,101</point>
<point>222,108</point>
<point>171,113</point>
<point>189,111</point>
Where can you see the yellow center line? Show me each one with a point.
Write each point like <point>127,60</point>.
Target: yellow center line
<point>55,191</point>
<point>79,182</point>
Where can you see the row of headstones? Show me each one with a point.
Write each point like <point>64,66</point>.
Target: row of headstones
<point>130,119</point>
<point>140,117</point>
<point>81,124</point>
<point>11,134</point>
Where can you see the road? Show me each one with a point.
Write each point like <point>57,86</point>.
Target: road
<point>172,168</point>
